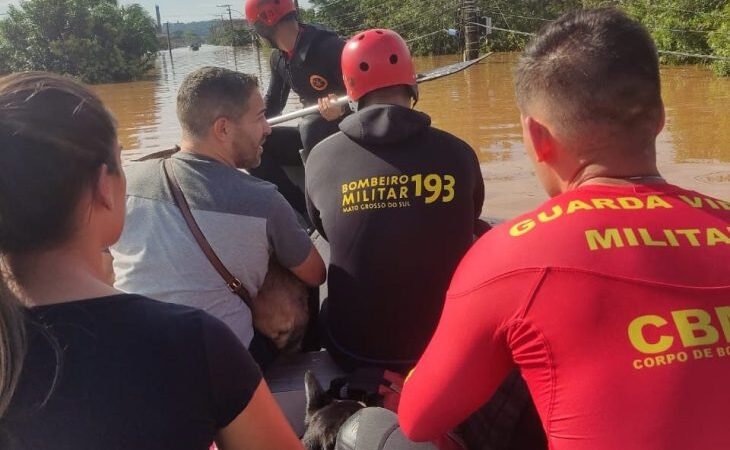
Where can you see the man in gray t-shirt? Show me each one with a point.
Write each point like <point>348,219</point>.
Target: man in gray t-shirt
<point>244,219</point>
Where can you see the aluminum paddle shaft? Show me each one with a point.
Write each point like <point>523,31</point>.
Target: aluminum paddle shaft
<point>305,111</point>
<point>434,74</point>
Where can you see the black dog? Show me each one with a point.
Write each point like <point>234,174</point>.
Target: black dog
<point>325,415</point>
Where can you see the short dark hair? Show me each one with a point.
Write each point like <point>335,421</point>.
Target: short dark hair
<point>595,66</point>
<point>54,135</point>
<point>210,93</point>
<point>402,89</point>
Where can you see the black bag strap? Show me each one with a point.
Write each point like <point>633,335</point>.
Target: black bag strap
<point>233,283</point>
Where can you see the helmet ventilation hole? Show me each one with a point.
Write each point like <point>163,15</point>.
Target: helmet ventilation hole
<point>364,66</point>
<point>393,59</point>
<point>379,32</point>
<point>361,37</point>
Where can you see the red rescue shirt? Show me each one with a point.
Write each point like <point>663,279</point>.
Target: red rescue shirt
<point>613,301</point>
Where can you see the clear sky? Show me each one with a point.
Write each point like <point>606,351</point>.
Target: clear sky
<point>179,10</point>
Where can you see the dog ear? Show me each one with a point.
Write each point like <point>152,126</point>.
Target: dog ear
<point>317,398</point>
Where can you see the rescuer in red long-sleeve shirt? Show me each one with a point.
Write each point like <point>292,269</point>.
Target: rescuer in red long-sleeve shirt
<point>612,298</point>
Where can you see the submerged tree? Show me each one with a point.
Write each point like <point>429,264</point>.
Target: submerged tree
<point>95,40</point>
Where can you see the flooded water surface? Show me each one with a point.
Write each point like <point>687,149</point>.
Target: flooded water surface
<point>476,105</point>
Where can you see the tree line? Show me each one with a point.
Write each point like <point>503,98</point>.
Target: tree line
<point>96,40</point>
<point>100,41</point>
<point>699,27</point>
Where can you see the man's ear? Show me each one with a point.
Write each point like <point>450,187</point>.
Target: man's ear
<point>104,189</point>
<point>222,128</point>
<point>541,138</point>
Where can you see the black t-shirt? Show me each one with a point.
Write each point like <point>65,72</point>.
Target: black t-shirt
<point>313,71</point>
<point>397,200</point>
<point>126,372</point>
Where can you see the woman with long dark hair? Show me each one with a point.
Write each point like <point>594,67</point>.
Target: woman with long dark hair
<point>81,364</point>
<point>12,345</point>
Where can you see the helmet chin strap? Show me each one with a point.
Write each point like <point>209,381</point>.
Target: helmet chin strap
<point>354,106</point>
<point>414,92</point>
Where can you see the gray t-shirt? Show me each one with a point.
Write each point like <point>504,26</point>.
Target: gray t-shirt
<point>244,219</point>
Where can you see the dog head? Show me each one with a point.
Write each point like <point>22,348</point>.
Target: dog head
<point>325,415</point>
<point>280,309</point>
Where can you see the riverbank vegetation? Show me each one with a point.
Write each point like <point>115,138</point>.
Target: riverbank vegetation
<point>698,27</point>
<point>97,41</point>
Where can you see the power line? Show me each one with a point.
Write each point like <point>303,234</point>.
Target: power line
<point>399,26</point>
<point>519,16</point>
<point>503,17</point>
<point>187,15</point>
<point>230,16</point>
<point>544,19</point>
<point>505,29</point>
<point>380,6</point>
<point>694,55</point>
<point>697,13</point>
<point>427,35</point>
<point>667,52</point>
<point>680,30</point>
<point>328,4</point>
<point>356,12</point>
<point>434,8</point>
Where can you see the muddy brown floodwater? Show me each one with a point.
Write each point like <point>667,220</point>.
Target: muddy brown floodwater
<point>477,105</point>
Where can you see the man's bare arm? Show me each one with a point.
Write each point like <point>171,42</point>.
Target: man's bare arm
<point>312,271</point>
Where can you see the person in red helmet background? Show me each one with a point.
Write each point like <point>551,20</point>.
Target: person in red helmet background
<point>398,201</point>
<point>305,59</point>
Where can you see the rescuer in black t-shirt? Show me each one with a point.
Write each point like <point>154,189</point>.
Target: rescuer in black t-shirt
<point>398,202</point>
<point>305,59</point>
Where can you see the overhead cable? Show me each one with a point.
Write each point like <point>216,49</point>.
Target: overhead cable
<point>693,55</point>
<point>427,35</point>
<point>666,52</point>
<point>543,19</point>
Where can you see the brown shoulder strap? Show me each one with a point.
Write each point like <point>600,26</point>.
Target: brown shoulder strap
<point>158,154</point>
<point>233,283</point>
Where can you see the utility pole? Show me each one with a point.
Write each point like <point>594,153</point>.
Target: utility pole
<point>233,34</point>
<point>230,18</point>
<point>471,32</point>
<point>159,24</point>
<point>169,46</point>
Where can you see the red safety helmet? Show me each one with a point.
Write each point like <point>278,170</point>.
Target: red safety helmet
<point>376,59</point>
<point>268,12</point>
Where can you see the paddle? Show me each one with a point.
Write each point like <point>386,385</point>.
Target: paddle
<point>434,74</point>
